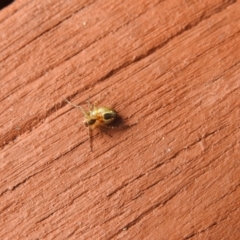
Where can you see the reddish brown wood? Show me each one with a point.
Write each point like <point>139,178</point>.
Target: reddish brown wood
<point>171,71</point>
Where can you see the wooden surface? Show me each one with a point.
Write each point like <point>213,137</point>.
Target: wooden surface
<point>170,69</point>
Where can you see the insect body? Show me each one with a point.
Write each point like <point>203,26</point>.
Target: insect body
<point>96,117</point>
<point>99,117</point>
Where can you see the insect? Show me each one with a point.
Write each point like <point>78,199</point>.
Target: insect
<point>96,117</point>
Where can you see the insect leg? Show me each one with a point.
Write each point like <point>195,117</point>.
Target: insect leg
<point>90,138</point>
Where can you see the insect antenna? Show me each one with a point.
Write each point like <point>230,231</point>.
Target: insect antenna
<point>76,106</point>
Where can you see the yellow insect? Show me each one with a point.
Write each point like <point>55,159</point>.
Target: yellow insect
<point>96,117</point>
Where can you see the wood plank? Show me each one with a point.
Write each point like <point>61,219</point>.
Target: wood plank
<point>171,71</point>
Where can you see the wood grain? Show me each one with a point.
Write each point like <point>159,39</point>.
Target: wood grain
<point>171,71</point>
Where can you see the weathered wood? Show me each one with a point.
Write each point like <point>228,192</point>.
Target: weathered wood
<point>171,71</point>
